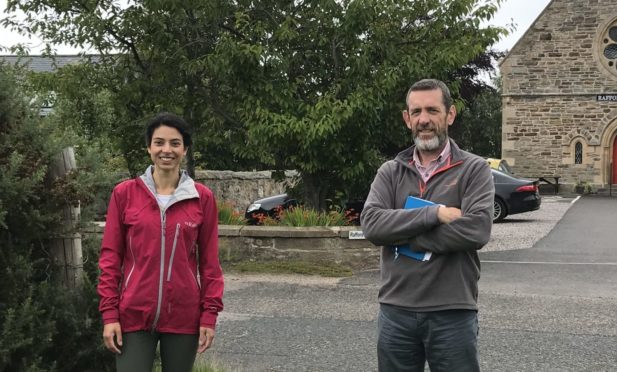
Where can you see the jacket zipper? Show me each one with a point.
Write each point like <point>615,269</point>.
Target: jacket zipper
<point>422,184</point>
<point>162,272</point>
<point>195,278</point>
<point>126,284</point>
<point>173,252</point>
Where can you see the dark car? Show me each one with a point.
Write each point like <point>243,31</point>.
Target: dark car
<point>268,207</point>
<point>512,195</point>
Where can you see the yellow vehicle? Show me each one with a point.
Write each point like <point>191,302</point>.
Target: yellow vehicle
<point>499,164</point>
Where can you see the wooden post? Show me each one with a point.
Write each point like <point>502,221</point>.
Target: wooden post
<point>66,250</point>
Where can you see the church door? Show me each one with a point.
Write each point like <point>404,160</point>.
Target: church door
<point>615,161</point>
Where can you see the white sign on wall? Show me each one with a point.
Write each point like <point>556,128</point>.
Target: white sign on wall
<point>356,235</point>
<point>606,98</point>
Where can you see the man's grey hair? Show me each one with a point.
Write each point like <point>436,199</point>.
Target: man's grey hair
<point>432,84</point>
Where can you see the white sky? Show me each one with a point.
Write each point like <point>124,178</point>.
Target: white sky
<point>520,12</point>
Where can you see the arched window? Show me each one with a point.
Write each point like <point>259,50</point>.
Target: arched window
<point>578,153</point>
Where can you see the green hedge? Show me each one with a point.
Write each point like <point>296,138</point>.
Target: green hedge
<point>43,326</point>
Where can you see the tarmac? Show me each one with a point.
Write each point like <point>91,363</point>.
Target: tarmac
<point>548,302</point>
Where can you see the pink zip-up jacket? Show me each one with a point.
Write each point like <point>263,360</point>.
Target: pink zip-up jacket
<point>159,264</point>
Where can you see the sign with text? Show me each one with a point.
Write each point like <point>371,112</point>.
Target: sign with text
<point>356,235</point>
<point>606,98</point>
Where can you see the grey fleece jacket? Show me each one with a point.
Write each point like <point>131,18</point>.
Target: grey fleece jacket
<point>449,280</point>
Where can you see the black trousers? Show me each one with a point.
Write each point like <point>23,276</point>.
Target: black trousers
<point>139,348</point>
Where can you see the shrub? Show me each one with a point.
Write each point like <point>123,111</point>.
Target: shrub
<point>266,220</point>
<point>44,327</point>
<point>302,216</point>
<point>228,215</point>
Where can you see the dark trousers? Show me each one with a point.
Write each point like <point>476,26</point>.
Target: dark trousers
<point>447,340</point>
<point>139,348</point>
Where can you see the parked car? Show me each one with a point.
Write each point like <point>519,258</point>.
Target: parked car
<point>499,164</point>
<point>512,195</point>
<point>268,207</point>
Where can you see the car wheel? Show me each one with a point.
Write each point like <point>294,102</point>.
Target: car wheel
<point>499,212</point>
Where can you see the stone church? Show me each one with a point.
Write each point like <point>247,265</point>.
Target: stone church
<point>559,95</point>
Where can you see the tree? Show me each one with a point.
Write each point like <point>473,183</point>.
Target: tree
<point>327,95</point>
<point>479,127</point>
<point>44,326</point>
<point>153,56</point>
<point>315,86</point>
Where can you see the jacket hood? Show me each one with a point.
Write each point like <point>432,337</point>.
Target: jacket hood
<point>186,186</point>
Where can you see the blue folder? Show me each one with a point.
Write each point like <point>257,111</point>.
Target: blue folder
<point>412,203</point>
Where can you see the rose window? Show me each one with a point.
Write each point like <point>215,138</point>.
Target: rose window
<point>608,48</point>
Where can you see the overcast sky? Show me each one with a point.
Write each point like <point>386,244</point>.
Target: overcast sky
<point>520,12</point>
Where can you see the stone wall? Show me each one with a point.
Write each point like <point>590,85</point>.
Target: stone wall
<point>551,80</point>
<point>539,135</point>
<point>311,244</point>
<point>242,188</point>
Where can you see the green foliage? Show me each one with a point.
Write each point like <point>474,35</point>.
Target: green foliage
<point>313,86</point>
<point>478,128</point>
<point>583,187</point>
<point>334,77</point>
<point>43,327</point>
<point>228,215</point>
<point>265,220</point>
<point>304,216</point>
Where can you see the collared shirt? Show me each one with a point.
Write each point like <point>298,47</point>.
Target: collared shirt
<point>426,172</point>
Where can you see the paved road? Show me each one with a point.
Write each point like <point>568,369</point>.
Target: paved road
<point>554,307</point>
<point>551,306</point>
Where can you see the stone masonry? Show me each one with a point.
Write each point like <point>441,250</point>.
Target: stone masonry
<point>318,244</point>
<point>551,82</point>
<point>242,188</point>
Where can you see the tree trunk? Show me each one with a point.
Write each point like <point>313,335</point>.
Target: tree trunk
<point>66,250</point>
<point>314,191</point>
<point>189,116</point>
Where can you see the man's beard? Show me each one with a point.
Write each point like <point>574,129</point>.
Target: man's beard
<point>432,144</point>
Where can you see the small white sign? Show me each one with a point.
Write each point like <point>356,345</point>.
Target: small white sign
<point>606,97</point>
<point>355,235</point>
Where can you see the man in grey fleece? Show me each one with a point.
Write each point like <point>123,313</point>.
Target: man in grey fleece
<point>428,305</point>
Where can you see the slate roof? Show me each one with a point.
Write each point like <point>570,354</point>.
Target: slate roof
<point>37,63</point>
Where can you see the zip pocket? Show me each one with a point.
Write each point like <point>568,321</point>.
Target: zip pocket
<point>195,278</point>
<point>173,252</point>
<point>128,277</point>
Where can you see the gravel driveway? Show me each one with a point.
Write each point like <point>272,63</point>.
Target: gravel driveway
<point>523,230</point>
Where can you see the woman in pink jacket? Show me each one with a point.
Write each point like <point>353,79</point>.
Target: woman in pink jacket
<point>160,279</point>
